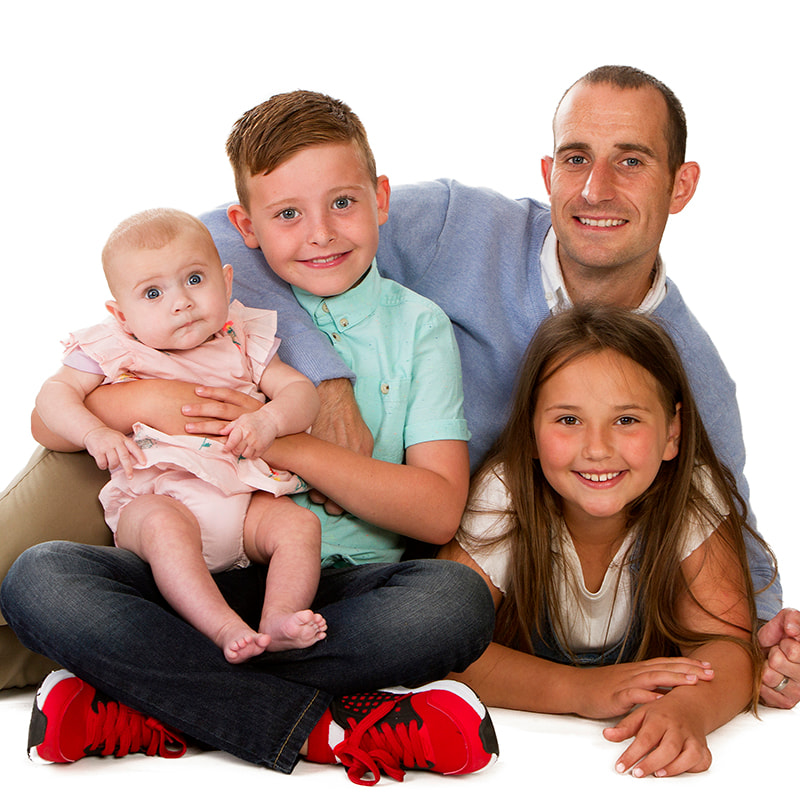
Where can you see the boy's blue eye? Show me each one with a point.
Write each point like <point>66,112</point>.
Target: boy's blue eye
<point>342,202</point>
<point>288,213</point>
<point>152,294</point>
<point>195,279</point>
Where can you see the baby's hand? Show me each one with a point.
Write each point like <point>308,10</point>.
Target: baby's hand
<point>111,449</point>
<point>250,435</point>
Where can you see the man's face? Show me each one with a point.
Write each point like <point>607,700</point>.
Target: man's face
<point>610,185</point>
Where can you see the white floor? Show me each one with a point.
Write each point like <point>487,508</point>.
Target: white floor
<point>550,754</point>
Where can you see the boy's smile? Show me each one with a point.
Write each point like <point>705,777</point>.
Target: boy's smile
<point>316,218</point>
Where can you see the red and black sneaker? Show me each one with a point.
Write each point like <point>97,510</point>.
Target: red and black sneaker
<point>71,720</point>
<point>442,727</point>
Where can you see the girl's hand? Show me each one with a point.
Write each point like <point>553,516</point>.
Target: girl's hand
<point>250,435</point>
<point>668,740</point>
<point>613,690</point>
<point>111,449</point>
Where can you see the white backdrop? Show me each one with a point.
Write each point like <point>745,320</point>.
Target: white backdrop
<point>109,108</point>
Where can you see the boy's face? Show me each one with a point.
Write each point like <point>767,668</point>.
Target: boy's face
<point>316,218</point>
<point>173,297</point>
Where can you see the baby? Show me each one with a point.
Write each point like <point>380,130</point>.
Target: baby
<point>181,503</point>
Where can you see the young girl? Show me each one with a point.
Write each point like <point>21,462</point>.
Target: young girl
<point>609,533</point>
<point>181,502</point>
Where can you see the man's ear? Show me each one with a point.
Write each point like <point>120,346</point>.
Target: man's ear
<point>547,170</point>
<point>683,189</point>
<point>112,306</point>
<point>240,220</point>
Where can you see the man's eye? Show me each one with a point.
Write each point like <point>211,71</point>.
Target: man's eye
<point>577,160</point>
<point>152,294</point>
<point>631,162</point>
<point>195,279</point>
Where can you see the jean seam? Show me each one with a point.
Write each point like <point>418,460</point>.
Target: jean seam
<point>294,728</point>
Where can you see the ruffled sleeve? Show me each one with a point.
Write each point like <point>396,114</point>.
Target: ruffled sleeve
<point>109,346</point>
<point>254,331</point>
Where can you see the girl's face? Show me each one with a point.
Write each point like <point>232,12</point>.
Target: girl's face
<point>173,297</point>
<point>601,433</point>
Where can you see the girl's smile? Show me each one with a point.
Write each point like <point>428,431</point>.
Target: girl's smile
<point>601,433</point>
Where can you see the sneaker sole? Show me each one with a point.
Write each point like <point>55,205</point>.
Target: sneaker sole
<point>38,725</point>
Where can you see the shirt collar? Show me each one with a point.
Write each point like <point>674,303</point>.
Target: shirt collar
<point>344,310</point>
<point>555,291</point>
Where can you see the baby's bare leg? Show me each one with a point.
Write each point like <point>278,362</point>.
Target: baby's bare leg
<point>164,533</point>
<point>287,537</point>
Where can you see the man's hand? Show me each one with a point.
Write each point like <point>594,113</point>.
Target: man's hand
<point>780,640</point>
<point>339,422</point>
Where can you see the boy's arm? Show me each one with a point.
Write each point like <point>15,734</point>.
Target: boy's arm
<point>422,499</point>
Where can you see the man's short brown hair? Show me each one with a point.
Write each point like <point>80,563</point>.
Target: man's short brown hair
<point>272,132</point>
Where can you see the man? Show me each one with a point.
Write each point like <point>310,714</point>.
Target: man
<point>497,268</point>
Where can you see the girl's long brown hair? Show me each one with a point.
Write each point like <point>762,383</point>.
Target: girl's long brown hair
<point>659,514</point>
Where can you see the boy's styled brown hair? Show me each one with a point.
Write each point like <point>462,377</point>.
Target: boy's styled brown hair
<point>272,132</point>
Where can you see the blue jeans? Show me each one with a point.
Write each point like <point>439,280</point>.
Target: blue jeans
<point>97,612</point>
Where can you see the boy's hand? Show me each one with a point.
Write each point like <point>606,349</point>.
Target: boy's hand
<point>250,435</point>
<point>668,740</point>
<point>111,449</point>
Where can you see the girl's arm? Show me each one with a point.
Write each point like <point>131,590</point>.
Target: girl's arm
<point>60,409</point>
<point>508,678</point>
<point>670,736</point>
<point>422,498</point>
<point>292,408</point>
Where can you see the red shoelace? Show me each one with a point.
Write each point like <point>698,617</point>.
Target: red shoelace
<point>118,730</point>
<point>370,747</point>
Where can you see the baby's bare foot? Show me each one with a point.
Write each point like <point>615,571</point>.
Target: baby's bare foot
<point>240,643</point>
<point>293,630</point>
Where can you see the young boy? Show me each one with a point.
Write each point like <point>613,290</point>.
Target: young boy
<point>311,199</point>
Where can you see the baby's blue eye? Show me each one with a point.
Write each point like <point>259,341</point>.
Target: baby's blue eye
<point>195,279</point>
<point>152,294</point>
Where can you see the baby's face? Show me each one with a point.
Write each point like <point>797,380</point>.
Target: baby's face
<point>173,297</point>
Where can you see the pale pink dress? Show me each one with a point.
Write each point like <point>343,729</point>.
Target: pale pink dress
<point>214,484</point>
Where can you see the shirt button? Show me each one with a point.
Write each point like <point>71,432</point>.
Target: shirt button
<point>335,337</point>
<point>384,388</point>
<point>324,306</point>
<point>343,322</point>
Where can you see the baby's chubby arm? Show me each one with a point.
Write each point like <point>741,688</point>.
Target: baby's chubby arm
<point>293,407</point>
<point>61,410</point>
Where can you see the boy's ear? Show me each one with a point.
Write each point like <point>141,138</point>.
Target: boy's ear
<point>240,220</point>
<point>113,308</point>
<point>382,193</point>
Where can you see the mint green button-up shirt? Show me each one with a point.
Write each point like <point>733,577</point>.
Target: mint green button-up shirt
<point>408,388</point>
